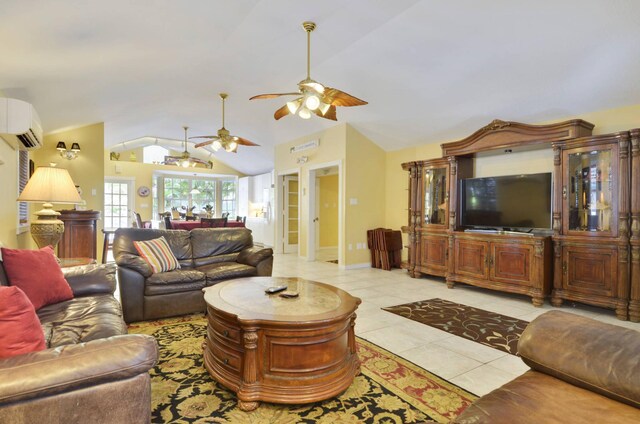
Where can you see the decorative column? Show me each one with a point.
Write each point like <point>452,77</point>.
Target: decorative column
<point>634,297</point>
<point>249,370</point>
<point>559,196</point>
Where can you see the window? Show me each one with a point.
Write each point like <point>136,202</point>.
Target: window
<point>229,197</point>
<point>24,172</point>
<point>178,193</point>
<point>154,154</point>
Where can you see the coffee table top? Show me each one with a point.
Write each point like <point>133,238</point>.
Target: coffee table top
<point>245,298</point>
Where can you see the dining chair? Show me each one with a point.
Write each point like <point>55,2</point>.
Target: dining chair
<point>167,223</point>
<point>213,222</point>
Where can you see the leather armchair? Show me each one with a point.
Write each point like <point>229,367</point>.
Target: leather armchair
<point>582,371</point>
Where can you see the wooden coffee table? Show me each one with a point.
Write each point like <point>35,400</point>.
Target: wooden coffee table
<point>273,349</point>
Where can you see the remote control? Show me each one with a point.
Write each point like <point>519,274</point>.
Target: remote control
<point>275,289</point>
<point>288,294</point>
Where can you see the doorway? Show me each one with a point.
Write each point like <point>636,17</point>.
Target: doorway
<point>325,213</point>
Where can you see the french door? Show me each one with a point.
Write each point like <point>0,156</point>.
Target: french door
<point>290,214</point>
<point>118,203</point>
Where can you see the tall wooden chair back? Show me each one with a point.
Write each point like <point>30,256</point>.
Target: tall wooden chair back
<point>213,222</point>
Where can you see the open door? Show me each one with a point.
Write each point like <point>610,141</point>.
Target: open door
<point>291,215</point>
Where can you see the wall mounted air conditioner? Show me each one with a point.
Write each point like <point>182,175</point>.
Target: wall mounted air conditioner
<point>20,124</point>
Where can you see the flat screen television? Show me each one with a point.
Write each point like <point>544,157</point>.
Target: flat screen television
<point>514,202</point>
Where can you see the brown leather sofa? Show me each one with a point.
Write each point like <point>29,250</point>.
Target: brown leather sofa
<point>92,371</point>
<point>582,371</point>
<point>207,256</point>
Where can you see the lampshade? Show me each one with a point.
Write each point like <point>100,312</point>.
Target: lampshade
<point>51,185</point>
<point>61,146</point>
<point>75,147</point>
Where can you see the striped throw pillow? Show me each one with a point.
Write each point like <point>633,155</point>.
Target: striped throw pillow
<point>157,254</point>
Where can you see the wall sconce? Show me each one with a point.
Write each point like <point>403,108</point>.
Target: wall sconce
<point>68,153</point>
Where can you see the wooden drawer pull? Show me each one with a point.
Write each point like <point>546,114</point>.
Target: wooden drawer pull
<point>225,333</point>
<point>226,361</point>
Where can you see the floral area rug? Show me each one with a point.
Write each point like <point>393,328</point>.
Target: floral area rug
<point>488,328</point>
<point>389,390</point>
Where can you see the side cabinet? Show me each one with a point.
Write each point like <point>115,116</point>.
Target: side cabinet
<point>434,254</point>
<point>510,263</point>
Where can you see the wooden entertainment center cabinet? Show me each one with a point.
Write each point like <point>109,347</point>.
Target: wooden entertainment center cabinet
<point>591,254</point>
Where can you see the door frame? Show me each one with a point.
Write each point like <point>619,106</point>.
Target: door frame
<point>311,210</point>
<point>278,245</point>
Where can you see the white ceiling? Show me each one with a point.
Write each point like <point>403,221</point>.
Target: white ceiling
<point>431,70</point>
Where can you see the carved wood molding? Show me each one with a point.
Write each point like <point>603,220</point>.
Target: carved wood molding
<point>504,134</point>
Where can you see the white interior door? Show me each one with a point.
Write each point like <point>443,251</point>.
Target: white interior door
<point>118,203</point>
<point>291,215</point>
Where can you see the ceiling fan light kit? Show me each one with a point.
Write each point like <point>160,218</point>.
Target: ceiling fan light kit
<point>185,160</point>
<point>315,98</point>
<point>223,139</point>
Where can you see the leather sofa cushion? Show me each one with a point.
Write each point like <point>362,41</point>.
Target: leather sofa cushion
<point>179,280</point>
<point>82,319</point>
<point>179,241</point>
<point>229,257</point>
<point>219,241</point>
<point>226,271</point>
<point>535,398</point>
<point>254,255</point>
<point>584,352</point>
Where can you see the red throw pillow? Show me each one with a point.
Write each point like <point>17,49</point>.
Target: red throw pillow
<point>20,330</point>
<point>38,275</point>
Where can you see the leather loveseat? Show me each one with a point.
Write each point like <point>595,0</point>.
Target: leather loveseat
<point>91,371</point>
<point>206,255</point>
<point>582,371</point>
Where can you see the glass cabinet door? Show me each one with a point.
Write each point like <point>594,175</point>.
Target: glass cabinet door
<point>435,196</point>
<point>590,194</point>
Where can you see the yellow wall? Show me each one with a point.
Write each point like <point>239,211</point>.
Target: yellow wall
<point>328,210</point>
<point>364,177</point>
<point>86,170</point>
<point>331,149</point>
<point>142,175</point>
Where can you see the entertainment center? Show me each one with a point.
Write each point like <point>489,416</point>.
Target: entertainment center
<point>573,235</point>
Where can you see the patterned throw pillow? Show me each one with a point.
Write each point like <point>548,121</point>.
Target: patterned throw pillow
<point>157,254</point>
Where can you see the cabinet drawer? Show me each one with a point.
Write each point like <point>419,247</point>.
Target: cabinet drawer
<point>225,356</point>
<point>224,331</point>
<point>590,271</point>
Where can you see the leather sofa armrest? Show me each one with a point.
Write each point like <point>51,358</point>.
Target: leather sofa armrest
<point>91,279</point>
<point>254,255</point>
<point>72,367</point>
<point>134,262</point>
<point>599,357</point>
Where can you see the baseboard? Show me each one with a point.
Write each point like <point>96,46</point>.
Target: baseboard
<point>357,266</point>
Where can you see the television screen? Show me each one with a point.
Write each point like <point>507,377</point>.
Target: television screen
<point>514,201</point>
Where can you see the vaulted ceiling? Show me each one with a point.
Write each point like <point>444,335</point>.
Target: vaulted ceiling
<point>431,70</point>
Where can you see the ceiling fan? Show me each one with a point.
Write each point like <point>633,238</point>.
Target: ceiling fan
<point>185,160</point>
<point>314,97</point>
<point>224,140</point>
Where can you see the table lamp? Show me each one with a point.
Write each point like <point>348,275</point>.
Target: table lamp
<point>49,185</point>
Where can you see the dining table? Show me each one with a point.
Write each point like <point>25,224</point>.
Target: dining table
<point>190,225</point>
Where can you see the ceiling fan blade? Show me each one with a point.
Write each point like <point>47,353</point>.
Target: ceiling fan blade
<point>273,96</point>
<point>316,86</point>
<point>206,143</point>
<point>335,97</point>
<point>245,142</point>
<point>204,136</point>
<point>283,111</point>
<point>329,114</point>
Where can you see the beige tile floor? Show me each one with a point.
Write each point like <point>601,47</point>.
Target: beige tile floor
<point>470,365</point>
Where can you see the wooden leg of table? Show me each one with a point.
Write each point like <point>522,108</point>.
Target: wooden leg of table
<point>247,406</point>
